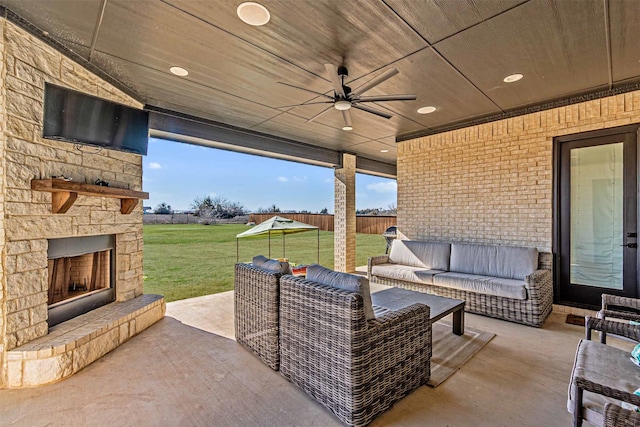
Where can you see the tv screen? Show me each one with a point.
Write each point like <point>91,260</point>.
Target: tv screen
<point>75,117</point>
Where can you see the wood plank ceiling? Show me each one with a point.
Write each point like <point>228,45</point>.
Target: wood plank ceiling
<point>452,54</point>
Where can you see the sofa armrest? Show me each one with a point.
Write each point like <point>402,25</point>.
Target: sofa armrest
<point>538,281</point>
<point>401,339</point>
<point>375,260</point>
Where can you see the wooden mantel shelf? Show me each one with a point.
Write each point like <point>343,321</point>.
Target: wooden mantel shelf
<point>64,193</point>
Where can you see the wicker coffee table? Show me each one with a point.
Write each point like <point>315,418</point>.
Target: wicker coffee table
<point>396,298</point>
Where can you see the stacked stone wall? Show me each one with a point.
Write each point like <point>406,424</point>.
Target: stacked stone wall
<point>493,183</point>
<point>25,216</point>
<point>3,126</point>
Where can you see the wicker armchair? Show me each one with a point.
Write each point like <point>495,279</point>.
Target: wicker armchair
<point>615,416</point>
<point>256,294</point>
<point>602,374</point>
<point>355,368</point>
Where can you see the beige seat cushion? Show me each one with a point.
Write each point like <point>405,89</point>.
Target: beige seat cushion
<point>507,288</point>
<point>405,272</point>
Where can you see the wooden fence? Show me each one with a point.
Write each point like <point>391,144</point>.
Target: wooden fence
<point>368,224</point>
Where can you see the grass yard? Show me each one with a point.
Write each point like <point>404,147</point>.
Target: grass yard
<point>191,260</point>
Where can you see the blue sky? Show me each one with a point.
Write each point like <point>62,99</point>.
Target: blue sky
<point>177,173</point>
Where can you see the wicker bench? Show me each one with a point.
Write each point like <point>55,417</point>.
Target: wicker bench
<point>508,283</point>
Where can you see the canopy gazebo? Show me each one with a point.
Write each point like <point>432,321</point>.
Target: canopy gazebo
<point>277,226</point>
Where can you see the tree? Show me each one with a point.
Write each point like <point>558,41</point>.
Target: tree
<point>271,209</point>
<point>210,209</point>
<point>163,209</point>
<point>324,211</point>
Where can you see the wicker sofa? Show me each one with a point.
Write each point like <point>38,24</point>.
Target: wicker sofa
<point>509,283</point>
<point>257,302</point>
<point>355,367</point>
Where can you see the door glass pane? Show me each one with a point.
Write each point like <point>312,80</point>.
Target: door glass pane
<point>596,216</point>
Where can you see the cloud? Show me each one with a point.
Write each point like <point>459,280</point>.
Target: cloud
<point>283,179</point>
<point>155,165</point>
<point>328,180</point>
<point>297,179</point>
<point>383,187</point>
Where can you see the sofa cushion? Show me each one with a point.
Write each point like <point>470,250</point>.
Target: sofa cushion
<point>516,263</point>
<point>272,265</point>
<point>404,272</point>
<point>507,288</point>
<point>346,281</point>
<point>420,254</point>
<point>498,261</point>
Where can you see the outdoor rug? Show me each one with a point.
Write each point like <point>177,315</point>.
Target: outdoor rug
<point>451,351</point>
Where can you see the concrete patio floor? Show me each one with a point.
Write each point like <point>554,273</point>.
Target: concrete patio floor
<point>187,370</point>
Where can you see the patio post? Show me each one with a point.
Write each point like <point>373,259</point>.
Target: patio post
<point>344,228</point>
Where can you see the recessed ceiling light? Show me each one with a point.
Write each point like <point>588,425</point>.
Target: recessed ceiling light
<point>179,71</point>
<point>513,78</point>
<point>426,110</point>
<point>253,13</point>
<point>384,151</point>
<point>347,128</point>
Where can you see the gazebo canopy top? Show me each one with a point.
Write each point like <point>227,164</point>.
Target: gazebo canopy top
<point>277,226</point>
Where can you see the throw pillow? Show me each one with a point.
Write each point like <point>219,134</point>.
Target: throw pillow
<point>346,281</point>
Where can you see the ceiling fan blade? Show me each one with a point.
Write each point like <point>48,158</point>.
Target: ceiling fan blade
<point>306,103</point>
<point>372,111</point>
<point>319,114</point>
<point>335,79</point>
<point>375,81</point>
<point>306,90</point>
<point>346,115</point>
<point>387,98</point>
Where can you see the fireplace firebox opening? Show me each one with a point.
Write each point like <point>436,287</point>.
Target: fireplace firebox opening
<point>81,274</point>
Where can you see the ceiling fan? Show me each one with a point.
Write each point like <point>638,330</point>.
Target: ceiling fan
<point>344,98</point>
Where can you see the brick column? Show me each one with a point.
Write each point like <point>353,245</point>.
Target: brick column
<point>345,215</point>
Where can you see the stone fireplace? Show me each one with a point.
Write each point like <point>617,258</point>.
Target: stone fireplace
<point>43,282</point>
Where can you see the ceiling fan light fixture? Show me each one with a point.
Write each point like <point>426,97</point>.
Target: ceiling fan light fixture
<point>384,151</point>
<point>342,105</point>
<point>426,110</point>
<point>347,127</point>
<point>512,78</point>
<point>179,71</point>
<point>253,13</point>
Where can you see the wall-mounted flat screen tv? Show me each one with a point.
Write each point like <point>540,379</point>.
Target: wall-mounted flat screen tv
<point>83,119</point>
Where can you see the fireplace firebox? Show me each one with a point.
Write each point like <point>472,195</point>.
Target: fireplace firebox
<point>81,276</point>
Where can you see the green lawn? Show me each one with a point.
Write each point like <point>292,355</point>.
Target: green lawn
<point>190,260</point>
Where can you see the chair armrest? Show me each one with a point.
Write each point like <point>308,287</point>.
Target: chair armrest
<point>602,390</point>
<point>375,260</point>
<point>616,416</point>
<point>617,314</point>
<point>618,301</point>
<point>611,327</point>
<point>401,339</point>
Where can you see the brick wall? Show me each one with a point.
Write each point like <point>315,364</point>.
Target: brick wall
<point>26,221</point>
<point>492,183</point>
